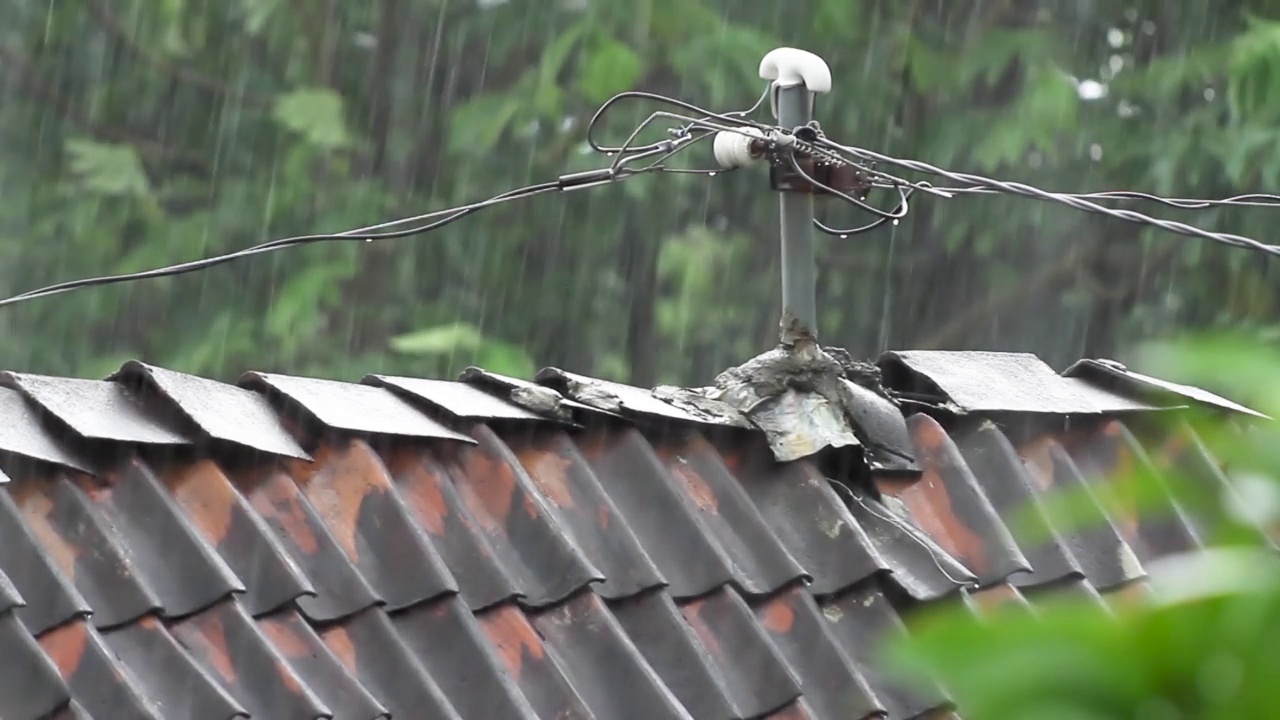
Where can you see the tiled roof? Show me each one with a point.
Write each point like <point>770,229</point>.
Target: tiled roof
<point>173,547</point>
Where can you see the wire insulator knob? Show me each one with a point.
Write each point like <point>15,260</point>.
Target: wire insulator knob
<point>739,148</point>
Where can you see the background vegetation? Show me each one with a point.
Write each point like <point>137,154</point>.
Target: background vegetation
<point>140,132</point>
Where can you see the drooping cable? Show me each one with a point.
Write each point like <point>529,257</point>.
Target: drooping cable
<point>783,143</point>
<point>1029,191</point>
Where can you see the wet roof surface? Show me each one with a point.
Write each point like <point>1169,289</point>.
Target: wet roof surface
<point>173,547</point>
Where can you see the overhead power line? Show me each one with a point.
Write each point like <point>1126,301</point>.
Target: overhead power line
<point>797,157</point>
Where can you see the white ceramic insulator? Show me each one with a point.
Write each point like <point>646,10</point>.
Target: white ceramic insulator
<point>733,148</point>
<point>788,67</point>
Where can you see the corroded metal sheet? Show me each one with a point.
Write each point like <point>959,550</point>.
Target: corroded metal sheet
<point>612,676</point>
<point>370,648</point>
<point>825,539</point>
<point>830,680</point>
<point>22,433</point>
<point>339,588</point>
<point>533,571</point>
<point>223,412</point>
<point>612,397</point>
<point>34,574</point>
<point>949,504</point>
<point>864,623</point>
<point>574,496</point>
<point>447,639</point>
<point>751,667</point>
<point>226,520</point>
<point>225,641</point>
<point>457,399</point>
<point>30,684</point>
<point>432,496</point>
<point>98,410</point>
<point>300,646</point>
<point>354,408</point>
<point>527,540</point>
<point>987,382</point>
<point>1120,379</point>
<point>354,497</point>
<point>1004,481</point>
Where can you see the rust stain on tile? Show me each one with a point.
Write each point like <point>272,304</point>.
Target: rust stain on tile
<point>511,634</point>
<point>699,490</point>
<point>993,598</point>
<point>36,507</point>
<point>419,479</point>
<point>930,502</point>
<point>340,643</point>
<point>208,629</point>
<point>206,496</point>
<point>777,616</point>
<point>489,489</point>
<point>66,645</point>
<point>290,681</point>
<point>337,485</point>
<point>277,498</point>
<point>1037,458</point>
<point>549,470</point>
<point>692,613</point>
<point>284,638</point>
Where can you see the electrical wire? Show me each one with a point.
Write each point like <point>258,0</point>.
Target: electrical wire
<point>356,235</point>
<point>1079,203</point>
<point>781,142</point>
<point>907,529</point>
<point>1260,200</point>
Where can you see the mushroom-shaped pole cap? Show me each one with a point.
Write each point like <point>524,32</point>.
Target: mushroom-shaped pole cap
<point>788,67</point>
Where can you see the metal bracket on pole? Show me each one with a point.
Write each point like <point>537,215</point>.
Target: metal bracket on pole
<point>797,76</point>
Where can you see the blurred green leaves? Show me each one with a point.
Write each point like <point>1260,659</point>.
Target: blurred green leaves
<point>316,114</point>
<point>112,170</point>
<point>609,67</point>
<point>1202,646</point>
<point>463,340</point>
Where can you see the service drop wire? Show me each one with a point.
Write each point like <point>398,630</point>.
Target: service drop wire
<point>1079,203</point>
<point>364,234</point>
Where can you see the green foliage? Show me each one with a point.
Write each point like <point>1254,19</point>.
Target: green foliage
<point>1203,647</point>
<point>111,170</point>
<point>608,68</point>
<point>463,339</point>
<point>316,115</point>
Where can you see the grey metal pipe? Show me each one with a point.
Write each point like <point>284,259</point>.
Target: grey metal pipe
<point>799,271</point>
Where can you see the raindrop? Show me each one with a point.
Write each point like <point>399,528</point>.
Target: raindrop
<point>1148,27</point>
<point>1116,63</point>
<point>895,222</point>
<point>711,174</point>
<point>1115,37</point>
<point>1095,152</point>
<point>1209,94</point>
<point>844,237</point>
<point>368,240</point>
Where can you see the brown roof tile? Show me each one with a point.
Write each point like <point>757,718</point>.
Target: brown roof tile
<point>305,548</point>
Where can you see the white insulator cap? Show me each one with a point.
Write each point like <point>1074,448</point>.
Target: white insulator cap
<point>788,67</point>
<point>733,147</point>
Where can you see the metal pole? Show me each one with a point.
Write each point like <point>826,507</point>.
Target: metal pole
<point>794,107</point>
